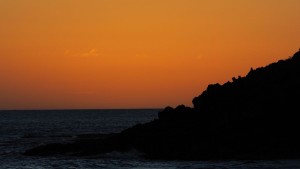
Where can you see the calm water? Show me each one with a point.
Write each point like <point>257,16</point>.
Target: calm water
<point>20,130</point>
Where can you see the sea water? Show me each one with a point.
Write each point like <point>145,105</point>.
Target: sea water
<point>22,130</point>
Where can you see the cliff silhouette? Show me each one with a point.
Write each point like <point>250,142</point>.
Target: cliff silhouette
<point>251,117</point>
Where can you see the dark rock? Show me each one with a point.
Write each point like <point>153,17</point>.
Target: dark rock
<point>252,117</point>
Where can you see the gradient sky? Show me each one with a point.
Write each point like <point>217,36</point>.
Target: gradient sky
<point>58,54</point>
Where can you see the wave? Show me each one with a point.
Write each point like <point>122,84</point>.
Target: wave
<point>38,135</point>
<point>132,154</point>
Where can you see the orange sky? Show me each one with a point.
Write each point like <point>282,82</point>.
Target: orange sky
<point>135,53</point>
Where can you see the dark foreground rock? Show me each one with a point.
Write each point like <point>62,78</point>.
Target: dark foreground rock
<point>252,117</point>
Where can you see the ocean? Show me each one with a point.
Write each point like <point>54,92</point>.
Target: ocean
<point>22,130</point>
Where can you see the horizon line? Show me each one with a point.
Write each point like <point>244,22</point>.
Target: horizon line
<point>62,109</point>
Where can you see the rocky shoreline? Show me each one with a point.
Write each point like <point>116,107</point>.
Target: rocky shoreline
<point>251,117</point>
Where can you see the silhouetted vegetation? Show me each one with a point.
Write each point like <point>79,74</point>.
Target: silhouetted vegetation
<point>252,117</point>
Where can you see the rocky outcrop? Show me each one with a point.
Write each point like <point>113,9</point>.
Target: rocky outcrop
<point>251,117</point>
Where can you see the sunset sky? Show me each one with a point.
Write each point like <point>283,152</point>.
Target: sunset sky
<point>80,54</point>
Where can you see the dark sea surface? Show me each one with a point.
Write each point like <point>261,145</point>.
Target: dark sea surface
<point>21,130</point>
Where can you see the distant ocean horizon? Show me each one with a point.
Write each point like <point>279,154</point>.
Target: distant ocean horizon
<point>75,109</point>
<point>24,129</point>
